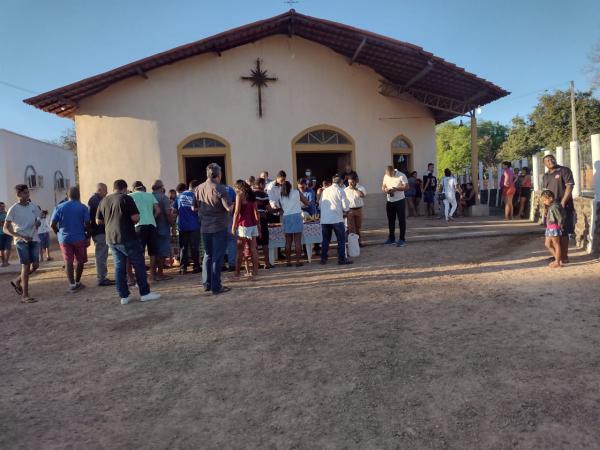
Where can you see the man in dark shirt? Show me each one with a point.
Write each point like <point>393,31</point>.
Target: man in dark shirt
<point>118,213</point>
<point>99,237</point>
<point>429,188</point>
<point>214,210</point>
<point>559,180</point>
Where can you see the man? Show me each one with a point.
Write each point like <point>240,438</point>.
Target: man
<point>559,180</point>
<point>145,229</point>
<point>263,208</point>
<point>5,239</point>
<point>214,210</point>
<point>71,223</point>
<point>118,213</point>
<point>265,176</point>
<point>309,195</point>
<point>356,194</point>
<point>189,227</point>
<point>22,222</point>
<point>429,189</point>
<point>334,204</point>
<point>99,237</point>
<point>163,231</point>
<point>274,190</point>
<point>394,184</point>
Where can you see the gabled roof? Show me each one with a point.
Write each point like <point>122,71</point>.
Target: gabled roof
<point>447,89</point>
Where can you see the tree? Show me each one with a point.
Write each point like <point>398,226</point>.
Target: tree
<point>491,136</point>
<point>595,65</point>
<point>519,142</point>
<point>68,140</point>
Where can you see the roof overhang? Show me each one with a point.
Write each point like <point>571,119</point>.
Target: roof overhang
<point>448,90</point>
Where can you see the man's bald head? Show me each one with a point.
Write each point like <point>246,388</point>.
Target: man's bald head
<point>101,190</point>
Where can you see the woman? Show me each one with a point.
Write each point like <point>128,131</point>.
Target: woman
<point>525,191</point>
<point>245,221</point>
<point>410,194</point>
<point>449,189</point>
<point>291,203</point>
<point>508,189</point>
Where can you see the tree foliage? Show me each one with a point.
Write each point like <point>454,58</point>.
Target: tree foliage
<point>68,140</point>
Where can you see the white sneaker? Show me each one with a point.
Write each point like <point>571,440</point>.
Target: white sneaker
<point>124,301</point>
<point>150,296</point>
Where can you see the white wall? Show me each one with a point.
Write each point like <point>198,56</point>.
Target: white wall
<point>131,130</point>
<point>17,152</point>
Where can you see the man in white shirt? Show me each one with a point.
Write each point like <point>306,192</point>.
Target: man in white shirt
<point>356,194</point>
<point>334,204</point>
<point>273,190</point>
<point>394,184</point>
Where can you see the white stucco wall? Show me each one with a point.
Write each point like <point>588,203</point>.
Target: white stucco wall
<point>131,130</point>
<point>17,152</point>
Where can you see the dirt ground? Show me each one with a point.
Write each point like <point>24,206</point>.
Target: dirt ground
<point>444,345</point>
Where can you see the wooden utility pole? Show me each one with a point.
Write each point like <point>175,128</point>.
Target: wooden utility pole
<point>474,157</point>
<point>573,114</point>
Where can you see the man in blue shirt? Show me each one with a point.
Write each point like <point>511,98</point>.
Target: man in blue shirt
<point>188,224</point>
<point>309,194</point>
<point>71,223</point>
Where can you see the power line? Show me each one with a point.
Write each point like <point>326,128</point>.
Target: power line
<point>19,88</point>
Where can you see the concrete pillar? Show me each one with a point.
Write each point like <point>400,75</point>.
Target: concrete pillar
<point>596,164</point>
<point>515,164</point>
<point>480,175</point>
<point>474,155</point>
<point>490,183</point>
<point>535,172</point>
<point>525,163</point>
<point>574,150</point>
<point>560,156</point>
<point>499,175</point>
<point>546,153</point>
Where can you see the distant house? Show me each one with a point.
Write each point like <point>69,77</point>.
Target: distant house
<point>47,169</point>
<point>290,92</point>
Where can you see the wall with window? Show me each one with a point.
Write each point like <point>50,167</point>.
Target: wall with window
<point>47,168</point>
<point>133,129</point>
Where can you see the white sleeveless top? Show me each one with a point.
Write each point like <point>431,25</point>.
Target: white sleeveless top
<point>292,203</point>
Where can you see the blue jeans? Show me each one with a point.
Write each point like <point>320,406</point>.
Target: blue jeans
<point>121,253</point>
<point>231,245</point>
<point>340,235</point>
<point>214,251</point>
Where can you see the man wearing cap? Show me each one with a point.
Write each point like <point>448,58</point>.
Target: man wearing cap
<point>559,180</point>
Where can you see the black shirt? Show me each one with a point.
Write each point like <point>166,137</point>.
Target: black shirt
<point>432,185</point>
<point>557,181</point>
<point>116,211</point>
<point>93,203</point>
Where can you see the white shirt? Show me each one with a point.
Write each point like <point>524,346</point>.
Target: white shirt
<point>397,180</point>
<point>333,204</point>
<point>291,204</point>
<point>354,198</point>
<point>44,226</point>
<point>274,193</point>
<point>449,185</point>
<point>25,220</point>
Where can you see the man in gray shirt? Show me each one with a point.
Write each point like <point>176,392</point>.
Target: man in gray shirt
<point>214,210</point>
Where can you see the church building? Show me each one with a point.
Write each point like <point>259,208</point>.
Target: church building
<point>290,92</point>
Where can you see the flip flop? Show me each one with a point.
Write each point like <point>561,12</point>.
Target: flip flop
<point>18,289</point>
<point>28,300</point>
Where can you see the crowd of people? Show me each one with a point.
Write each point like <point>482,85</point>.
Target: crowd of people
<point>232,224</point>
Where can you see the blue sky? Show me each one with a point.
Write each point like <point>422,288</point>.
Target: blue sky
<point>524,46</point>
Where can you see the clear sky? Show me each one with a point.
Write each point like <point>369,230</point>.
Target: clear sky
<point>524,46</point>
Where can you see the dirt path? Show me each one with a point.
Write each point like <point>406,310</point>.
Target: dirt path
<point>457,344</point>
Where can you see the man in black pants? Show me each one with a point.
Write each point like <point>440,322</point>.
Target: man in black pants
<point>394,185</point>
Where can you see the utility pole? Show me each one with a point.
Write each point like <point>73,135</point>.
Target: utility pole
<point>573,115</point>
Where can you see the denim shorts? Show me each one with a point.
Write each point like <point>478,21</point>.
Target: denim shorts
<point>292,223</point>
<point>29,252</point>
<point>44,240</point>
<point>5,241</point>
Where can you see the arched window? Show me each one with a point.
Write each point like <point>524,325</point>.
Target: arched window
<point>402,154</point>
<point>401,143</point>
<point>204,142</point>
<point>323,137</point>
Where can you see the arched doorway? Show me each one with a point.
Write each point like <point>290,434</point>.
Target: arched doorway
<point>402,155</point>
<point>198,151</point>
<point>324,149</point>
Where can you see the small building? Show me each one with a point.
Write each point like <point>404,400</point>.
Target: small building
<point>290,92</point>
<point>47,169</point>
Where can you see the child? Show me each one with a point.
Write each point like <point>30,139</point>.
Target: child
<point>245,221</point>
<point>555,218</point>
<point>44,235</point>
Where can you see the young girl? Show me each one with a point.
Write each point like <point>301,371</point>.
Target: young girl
<point>555,218</point>
<point>44,235</point>
<point>245,220</point>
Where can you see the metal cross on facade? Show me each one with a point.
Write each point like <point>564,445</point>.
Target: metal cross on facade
<point>259,79</point>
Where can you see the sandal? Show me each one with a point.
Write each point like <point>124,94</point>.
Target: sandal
<point>28,300</point>
<point>17,287</point>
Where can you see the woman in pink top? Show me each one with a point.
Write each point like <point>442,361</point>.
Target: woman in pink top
<point>245,223</point>
<point>525,191</point>
<point>508,189</point>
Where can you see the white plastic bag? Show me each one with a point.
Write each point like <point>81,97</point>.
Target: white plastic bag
<point>353,246</point>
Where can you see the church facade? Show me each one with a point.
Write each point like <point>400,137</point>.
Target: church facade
<point>291,92</point>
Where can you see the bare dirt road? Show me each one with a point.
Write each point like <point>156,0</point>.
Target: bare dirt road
<point>443,345</point>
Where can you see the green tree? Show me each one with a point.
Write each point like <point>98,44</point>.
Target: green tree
<point>68,140</point>
<point>520,142</point>
<point>491,136</point>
